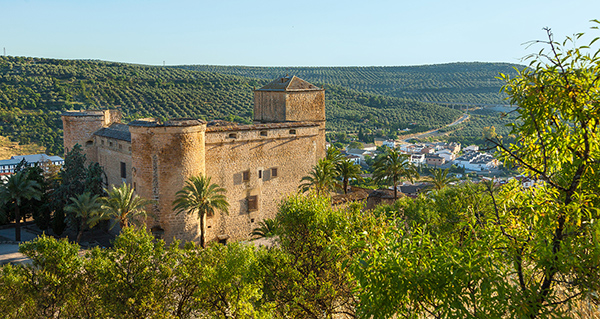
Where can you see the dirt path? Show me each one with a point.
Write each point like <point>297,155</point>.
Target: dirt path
<point>434,132</point>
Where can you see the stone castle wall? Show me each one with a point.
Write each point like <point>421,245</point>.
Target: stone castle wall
<point>165,155</point>
<point>287,149</point>
<point>284,106</point>
<point>110,154</point>
<point>292,106</point>
<point>79,128</point>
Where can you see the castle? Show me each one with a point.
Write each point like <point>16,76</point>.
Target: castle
<point>257,164</point>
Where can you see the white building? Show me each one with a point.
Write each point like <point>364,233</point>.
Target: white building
<point>360,154</point>
<point>446,154</point>
<point>7,167</point>
<point>476,161</point>
<point>417,158</point>
<point>353,158</point>
<point>389,143</point>
<point>473,148</point>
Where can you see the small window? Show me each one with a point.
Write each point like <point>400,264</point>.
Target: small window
<point>263,133</point>
<point>89,143</point>
<point>259,173</point>
<point>120,146</point>
<point>130,148</point>
<point>123,170</point>
<point>274,172</point>
<point>252,203</point>
<point>246,176</point>
<point>110,143</point>
<point>293,132</point>
<point>102,142</point>
<point>232,135</point>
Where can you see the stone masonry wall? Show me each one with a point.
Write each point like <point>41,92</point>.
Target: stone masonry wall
<point>305,106</point>
<point>79,128</point>
<point>269,106</point>
<point>289,148</point>
<point>110,154</point>
<point>164,157</point>
<point>284,106</point>
<point>292,106</point>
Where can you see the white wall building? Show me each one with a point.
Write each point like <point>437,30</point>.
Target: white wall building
<point>446,154</point>
<point>7,167</point>
<point>417,158</point>
<point>389,143</point>
<point>476,161</point>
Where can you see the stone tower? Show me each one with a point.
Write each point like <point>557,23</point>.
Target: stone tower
<point>291,99</point>
<point>79,128</point>
<point>166,154</point>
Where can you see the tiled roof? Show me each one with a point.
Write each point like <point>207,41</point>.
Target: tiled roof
<point>117,131</point>
<point>36,158</point>
<point>287,83</point>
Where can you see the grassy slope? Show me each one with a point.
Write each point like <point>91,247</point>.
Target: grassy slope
<point>9,148</point>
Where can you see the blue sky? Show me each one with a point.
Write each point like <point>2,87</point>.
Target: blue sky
<point>287,33</point>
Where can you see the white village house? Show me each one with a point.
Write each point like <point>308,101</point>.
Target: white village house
<point>8,166</point>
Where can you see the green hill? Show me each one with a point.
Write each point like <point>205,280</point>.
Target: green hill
<point>33,93</point>
<point>471,83</point>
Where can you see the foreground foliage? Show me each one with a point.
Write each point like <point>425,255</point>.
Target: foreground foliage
<point>137,278</point>
<point>507,251</point>
<point>304,276</point>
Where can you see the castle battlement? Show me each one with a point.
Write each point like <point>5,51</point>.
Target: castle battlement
<point>257,164</point>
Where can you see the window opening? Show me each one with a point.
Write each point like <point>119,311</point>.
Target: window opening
<point>252,203</point>
<point>123,170</point>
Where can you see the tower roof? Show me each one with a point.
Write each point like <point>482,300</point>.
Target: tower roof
<point>289,83</point>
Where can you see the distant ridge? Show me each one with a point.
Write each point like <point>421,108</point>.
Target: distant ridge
<point>464,82</point>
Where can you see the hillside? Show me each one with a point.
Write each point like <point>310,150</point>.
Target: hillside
<point>471,83</point>
<point>33,93</point>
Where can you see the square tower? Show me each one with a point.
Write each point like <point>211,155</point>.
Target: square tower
<point>291,99</point>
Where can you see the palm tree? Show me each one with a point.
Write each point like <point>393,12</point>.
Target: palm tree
<point>17,188</point>
<point>334,155</point>
<point>266,228</point>
<point>440,179</point>
<point>321,178</point>
<point>392,167</point>
<point>346,170</point>
<point>84,206</point>
<point>201,197</point>
<point>123,206</point>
